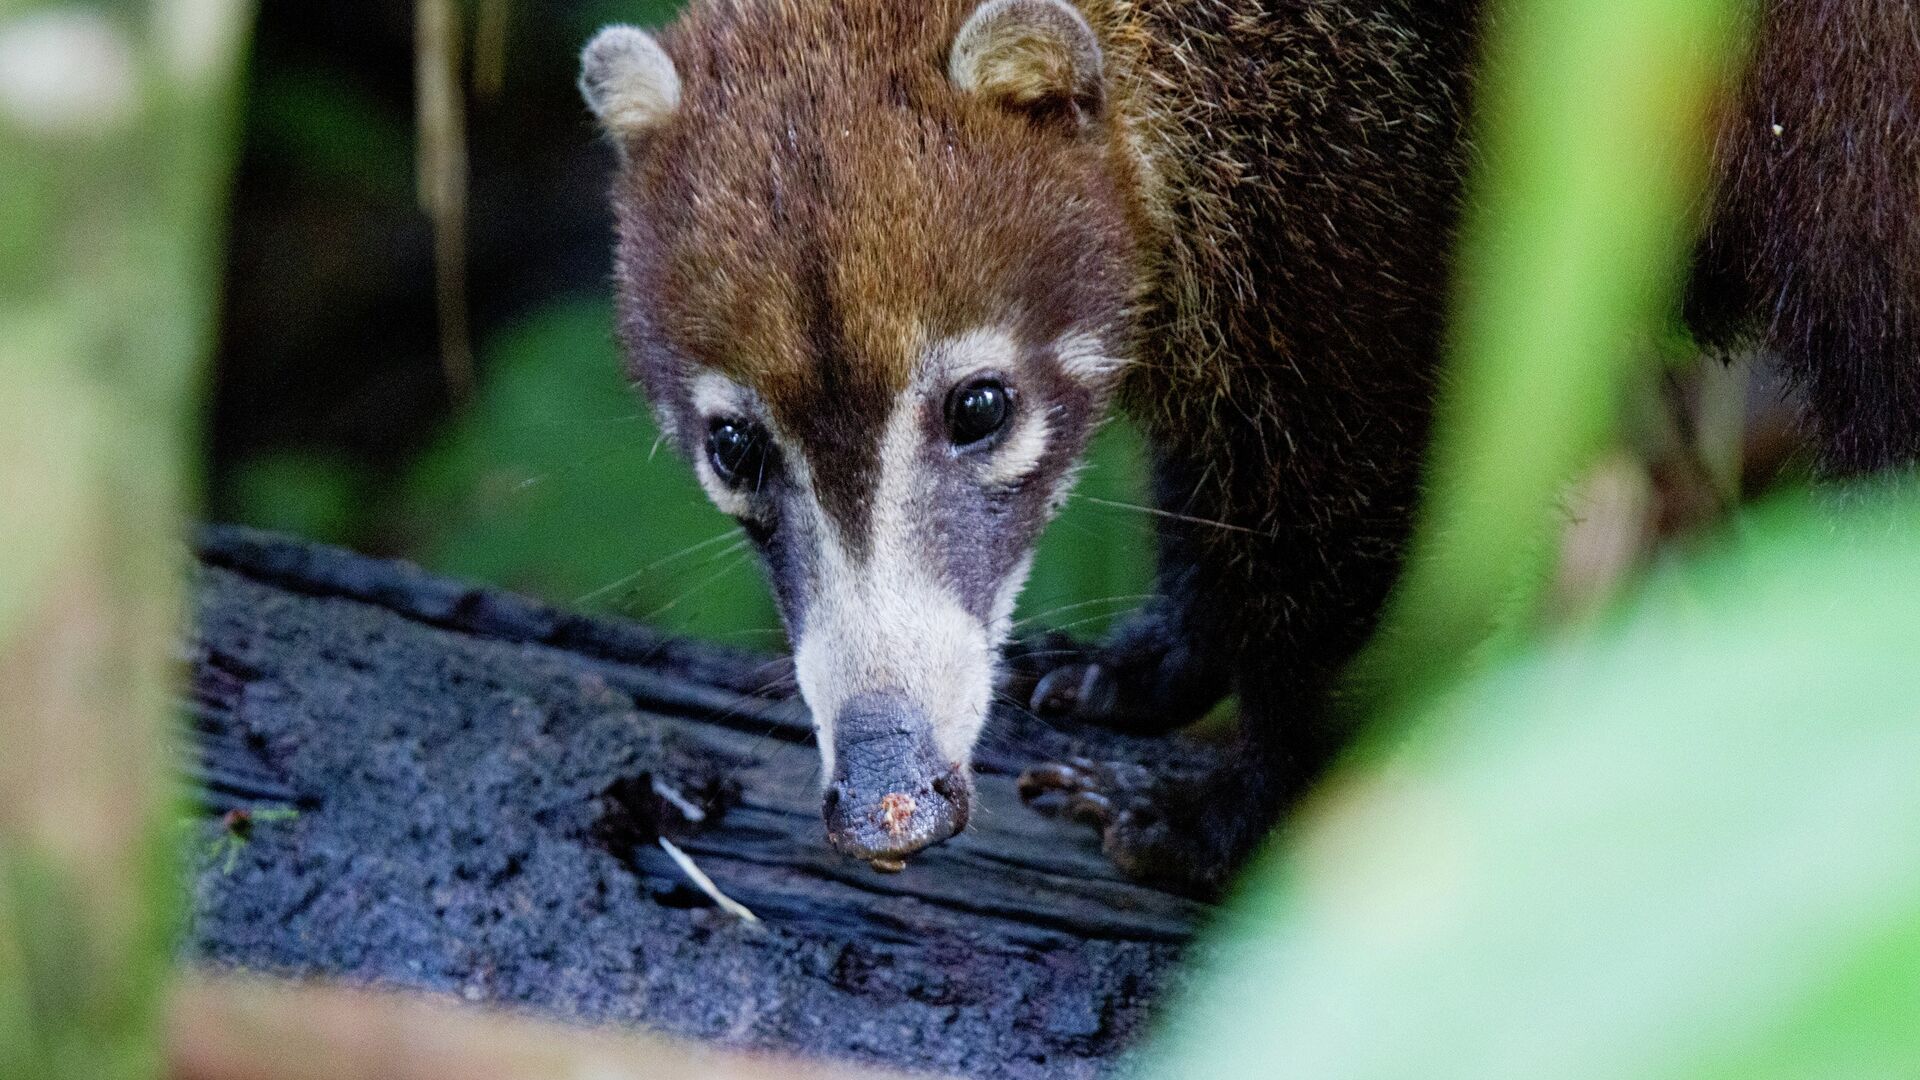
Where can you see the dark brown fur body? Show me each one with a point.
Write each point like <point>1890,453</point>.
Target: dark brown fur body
<point>1289,384</point>
<point>1286,178</point>
<point>1314,155</point>
<point>1813,248</point>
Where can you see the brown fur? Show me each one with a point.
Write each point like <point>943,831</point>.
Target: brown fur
<point>1307,160</point>
<point>812,252</point>
<point>1289,311</point>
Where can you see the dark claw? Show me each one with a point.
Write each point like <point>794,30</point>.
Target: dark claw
<point>1060,691</point>
<point>1123,800</point>
<point>1090,808</point>
<point>1117,786</point>
<point>1049,803</point>
<point>1054,778</point>
<point>1083,691</point>
<point>1141,812</point>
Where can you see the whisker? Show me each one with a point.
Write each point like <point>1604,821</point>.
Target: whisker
<point>1071,623</point>
<point>1002,698</point>
<point>732,565</point>
<point>1063,608</point>
<point>542,425</point>
<point>757,701</point>
<point>1171,515</point>
<point>568,469</point>
<point>1047,653</point>
<point>771,631</point>
<point>655,565</point>
<point>753,706</point>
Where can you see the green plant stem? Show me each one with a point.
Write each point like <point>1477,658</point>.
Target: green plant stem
<point>1593,132</point>
<point>115,146</point>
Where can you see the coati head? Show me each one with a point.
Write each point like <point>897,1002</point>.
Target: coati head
<point>875,269</point>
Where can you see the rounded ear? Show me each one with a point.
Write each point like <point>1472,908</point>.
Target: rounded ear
<point>1039,57</point>
<point>629,82</point>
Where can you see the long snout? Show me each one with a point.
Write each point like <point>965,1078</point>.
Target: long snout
<point>892,792</point>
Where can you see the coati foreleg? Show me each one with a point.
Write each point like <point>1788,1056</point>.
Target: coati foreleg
<point>1193,831</point>
<point>1159,670</point>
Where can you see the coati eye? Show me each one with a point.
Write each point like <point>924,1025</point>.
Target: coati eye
<point>977,409</point>
<point>737,451</point>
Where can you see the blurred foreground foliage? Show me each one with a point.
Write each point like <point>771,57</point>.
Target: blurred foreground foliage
<point>115,150</point>
<point>1674,841</point>
<point>1679,842</point>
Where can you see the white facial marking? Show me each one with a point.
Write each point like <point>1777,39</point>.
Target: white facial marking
<point>1004,600</point>
<point>1020,450</point>
<point>975,352</point>
<point>1085,358</point>
<point>716,395</point>
<point>891,624</point>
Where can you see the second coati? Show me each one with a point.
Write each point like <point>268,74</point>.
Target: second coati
<point>882,266</point>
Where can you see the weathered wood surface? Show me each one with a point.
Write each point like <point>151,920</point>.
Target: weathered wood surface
<point>479,779</point>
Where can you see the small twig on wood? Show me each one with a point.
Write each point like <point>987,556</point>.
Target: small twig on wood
<point>687,807</point>
<point>727,903</point>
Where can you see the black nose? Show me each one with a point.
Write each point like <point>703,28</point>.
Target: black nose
<point>891,793</point>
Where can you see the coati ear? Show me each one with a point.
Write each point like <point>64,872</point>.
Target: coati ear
<point>1039,57</point>
<point>629,82</point>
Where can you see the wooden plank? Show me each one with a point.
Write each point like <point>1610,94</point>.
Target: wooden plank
<point>481,781</point>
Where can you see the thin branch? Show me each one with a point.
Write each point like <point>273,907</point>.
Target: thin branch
<point>440,115</point>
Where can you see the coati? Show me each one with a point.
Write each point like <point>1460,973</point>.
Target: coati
<point>882,266</point>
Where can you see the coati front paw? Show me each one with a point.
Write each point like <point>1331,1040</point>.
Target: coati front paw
<point>1148,680</point>
<point>1063,678</point>
<point>1147,822</point>
<point>1028,662</point>
<point>1084,690</point>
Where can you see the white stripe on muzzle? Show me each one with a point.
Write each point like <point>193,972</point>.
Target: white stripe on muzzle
<point>890,624</point>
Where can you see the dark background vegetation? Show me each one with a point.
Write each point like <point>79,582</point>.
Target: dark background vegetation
<point>332,417</point>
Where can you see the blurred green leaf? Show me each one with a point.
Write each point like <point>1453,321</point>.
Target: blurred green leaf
<point>1684,843</point>
<point>556,483</point>
<point>1593,142</point>
<point>311,495</point>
